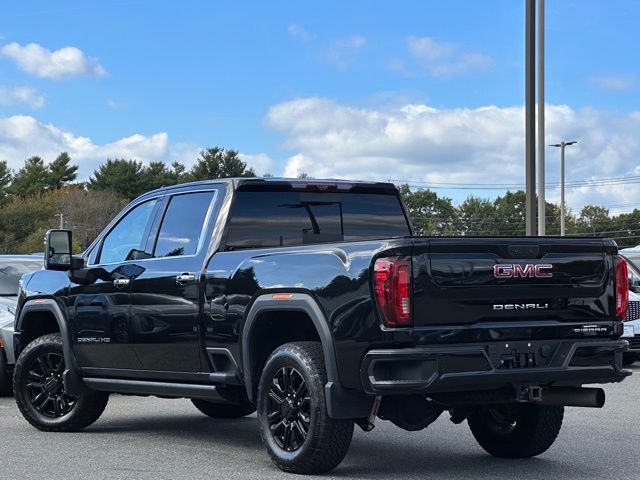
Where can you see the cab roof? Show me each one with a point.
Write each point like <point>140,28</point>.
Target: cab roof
<point>273,183</point>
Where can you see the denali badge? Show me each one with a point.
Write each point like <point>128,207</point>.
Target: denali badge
<point>515,270</point>
<point>521,306</point>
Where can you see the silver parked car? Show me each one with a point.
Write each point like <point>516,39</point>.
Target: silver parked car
<point>12,267</point>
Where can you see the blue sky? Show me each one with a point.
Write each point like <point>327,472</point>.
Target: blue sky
<point>313,86</point>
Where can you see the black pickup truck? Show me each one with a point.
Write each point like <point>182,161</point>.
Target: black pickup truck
<point>312,302</point>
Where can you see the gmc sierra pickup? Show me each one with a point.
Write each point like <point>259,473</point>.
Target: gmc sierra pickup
<point>312,302</point>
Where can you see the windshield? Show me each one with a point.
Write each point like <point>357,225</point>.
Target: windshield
<point>10,273</point>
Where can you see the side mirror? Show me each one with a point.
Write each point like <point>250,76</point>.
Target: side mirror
<point>57,250</point>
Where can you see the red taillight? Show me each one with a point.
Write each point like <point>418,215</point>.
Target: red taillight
<point>393,290</point>
<point>622,287</point>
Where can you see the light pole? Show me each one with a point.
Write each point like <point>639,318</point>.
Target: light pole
<point>562,145</point>
<point>531,225</point>
<point>61,215</point>
<point>541,193</point>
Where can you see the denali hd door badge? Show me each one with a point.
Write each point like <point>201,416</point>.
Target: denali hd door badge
<point>515,270</point>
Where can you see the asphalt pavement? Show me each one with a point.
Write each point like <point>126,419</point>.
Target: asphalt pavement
<point>151,438</point>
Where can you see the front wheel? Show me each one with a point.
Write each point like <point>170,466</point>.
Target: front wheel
<point>40,393</point>
<point>295,427</point>
<point>516,430</point>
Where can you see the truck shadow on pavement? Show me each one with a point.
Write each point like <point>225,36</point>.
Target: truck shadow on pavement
<point>383,453</point>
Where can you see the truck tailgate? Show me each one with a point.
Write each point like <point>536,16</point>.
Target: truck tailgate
<point>463,281</point>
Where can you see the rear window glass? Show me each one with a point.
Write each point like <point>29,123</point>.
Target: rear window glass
<point>275,219</point>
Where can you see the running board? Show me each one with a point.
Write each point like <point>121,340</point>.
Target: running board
<point>161,389</point>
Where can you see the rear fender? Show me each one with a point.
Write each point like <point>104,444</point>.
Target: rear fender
<point>341,403</point>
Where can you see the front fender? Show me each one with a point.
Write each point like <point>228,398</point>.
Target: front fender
<point>72,379</point>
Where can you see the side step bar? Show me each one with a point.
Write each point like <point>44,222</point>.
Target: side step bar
<point>162,389</point>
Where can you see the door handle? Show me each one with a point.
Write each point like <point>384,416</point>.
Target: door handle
<point>185,278</point>
<point>121,282</point>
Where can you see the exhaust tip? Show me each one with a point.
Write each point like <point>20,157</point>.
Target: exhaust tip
<point>574,397</point>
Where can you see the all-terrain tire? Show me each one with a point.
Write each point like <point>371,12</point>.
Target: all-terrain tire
<point>303,409</point>
<point>224,410</point>
<point>84,409</point>
<point>529,431</point>
<point>5,378</point>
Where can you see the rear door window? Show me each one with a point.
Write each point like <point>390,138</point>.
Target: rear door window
<point>181,228</point>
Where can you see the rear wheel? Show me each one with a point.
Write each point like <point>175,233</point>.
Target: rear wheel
<point>40,393</point>
<point>224,410</point>
<point>516,430</point>
<point>295,427</point>
<point>5,377</point>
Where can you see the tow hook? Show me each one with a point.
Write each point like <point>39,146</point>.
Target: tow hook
<point>531,393</point>
<point>368,424</point>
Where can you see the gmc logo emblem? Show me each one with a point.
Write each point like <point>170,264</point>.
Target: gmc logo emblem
<point>515,270</point>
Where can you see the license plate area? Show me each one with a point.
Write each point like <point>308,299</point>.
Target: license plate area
<point>518,355</point>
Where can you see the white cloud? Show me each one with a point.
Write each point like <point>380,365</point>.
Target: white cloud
<point>23,136</point>
<point>419,143</point>
<point>261,163</point>
<point>439,59</point>
<point>296,31</point>
<point>342,53</point>
<point>18,95</point>
<point>617,83</point>
<point>42,62</point>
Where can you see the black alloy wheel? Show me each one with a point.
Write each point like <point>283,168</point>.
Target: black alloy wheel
<point>41,394</point>
<point>46,388</point>
<point>295,426</point>
<point>289,409</point>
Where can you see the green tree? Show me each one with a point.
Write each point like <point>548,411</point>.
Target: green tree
<point>477,217</point>
<point>594,220</point>
<point>510,214</point>
<point>6,177</point>
<point>430,214</point>
<point>23,221</point>
<point>61,172</point>
<point>178,171</point>
<point>87,212</point>
<point>30,179</point>
<point>216,162</point>
<point>552,218</point>
<point>157,174</point>
<point>124,177</point>
<point>627,228</point>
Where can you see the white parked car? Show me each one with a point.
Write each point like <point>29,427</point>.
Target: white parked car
<point>632,323</point>
<point>12,267</point>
